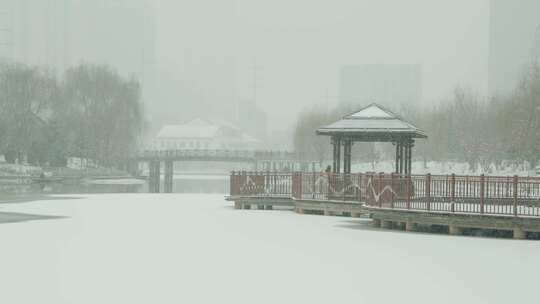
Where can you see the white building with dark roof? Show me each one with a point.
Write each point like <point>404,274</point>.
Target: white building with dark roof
<point>201,134</point>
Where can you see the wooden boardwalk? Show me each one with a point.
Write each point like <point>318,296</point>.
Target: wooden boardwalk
<point>392,200</point>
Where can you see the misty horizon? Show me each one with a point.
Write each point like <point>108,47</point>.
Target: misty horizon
<point>205,55</point>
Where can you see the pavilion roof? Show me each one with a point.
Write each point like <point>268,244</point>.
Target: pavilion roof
<point>372,123</point>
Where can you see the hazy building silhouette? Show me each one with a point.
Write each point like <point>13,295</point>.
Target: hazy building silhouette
<point>388,84</point>
<point>513,43</point>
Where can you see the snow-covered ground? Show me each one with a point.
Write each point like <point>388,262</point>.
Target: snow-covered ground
<point>184,248</point>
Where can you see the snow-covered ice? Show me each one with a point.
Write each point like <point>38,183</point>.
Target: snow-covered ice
<point>184,248</point>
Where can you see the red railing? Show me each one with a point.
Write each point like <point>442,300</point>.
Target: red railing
<point>493,195</point>
<point>275,184</point>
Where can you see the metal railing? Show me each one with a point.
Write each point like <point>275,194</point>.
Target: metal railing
<point>490,195</point>
<point>275,184</point>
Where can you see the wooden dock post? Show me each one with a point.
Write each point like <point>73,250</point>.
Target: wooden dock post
<point>454,230</point>
<point>386,224</point>
<point>519,233</point>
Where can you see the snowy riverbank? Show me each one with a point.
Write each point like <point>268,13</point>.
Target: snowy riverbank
<point>184,248</point>
<point>448,167</point>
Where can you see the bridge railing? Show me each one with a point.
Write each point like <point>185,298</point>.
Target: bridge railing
<point>218,153</point>
<point>492,195</point>
<point>182,153</point>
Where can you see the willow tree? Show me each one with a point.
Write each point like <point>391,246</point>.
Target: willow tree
<point>104,112</point>
<point>27,97</point>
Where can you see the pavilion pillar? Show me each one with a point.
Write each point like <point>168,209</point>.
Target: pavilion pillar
<point>400,145</point>
<point>411,145</point>
<point>405,166</point>
<point>336,142</point>
<point>347,147</point>
<point>406,158</point>
<point>397,156</point>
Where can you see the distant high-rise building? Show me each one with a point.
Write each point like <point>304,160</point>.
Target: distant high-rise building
<point>513,43</point>
<point>388,84</point>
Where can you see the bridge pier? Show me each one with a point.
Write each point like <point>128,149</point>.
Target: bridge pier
<point>154,176</point>
<point>133,167</point>
<point>168,178</point>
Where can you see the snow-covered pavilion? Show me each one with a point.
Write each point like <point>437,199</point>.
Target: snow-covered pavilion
<point>372,124</point>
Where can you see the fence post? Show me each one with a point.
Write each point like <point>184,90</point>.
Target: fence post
<point>260,183</point>
<point>231,184</point>
<point>343,184</point>
<point>238,183</point>
<point>446,186</point>
<point>449,184</point>
<point>408,186</point>
<point>428,191</point>
<point>313,184</point>
<point>515,193</point>
<point>380,189</point>
<point>243,182</point>
<point>359,189</point>
<point>392,177</point>
<point>293,185</point>
<point>299,186</point>
<point>482,192</point>
<point>453,185</point>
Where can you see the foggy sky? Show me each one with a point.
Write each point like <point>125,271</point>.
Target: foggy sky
<point>198,58</point>
<point>298,46</point>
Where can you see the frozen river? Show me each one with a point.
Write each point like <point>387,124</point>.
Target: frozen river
<point>187,248</point>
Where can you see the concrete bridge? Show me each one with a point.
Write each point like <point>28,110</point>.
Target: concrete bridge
<point>398,201</point>
<point>260,160</point>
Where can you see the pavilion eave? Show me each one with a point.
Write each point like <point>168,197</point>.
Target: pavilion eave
<point>383,134</point>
